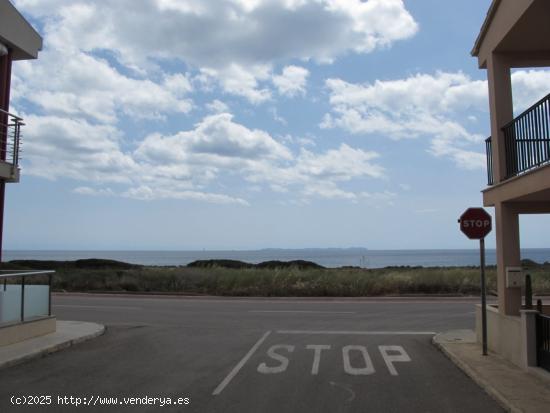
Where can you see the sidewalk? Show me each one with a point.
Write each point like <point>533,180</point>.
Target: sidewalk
<point>68,333</point>
<point>515,389</point>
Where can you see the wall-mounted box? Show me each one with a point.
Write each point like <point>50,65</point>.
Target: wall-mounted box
<point>514,277</point>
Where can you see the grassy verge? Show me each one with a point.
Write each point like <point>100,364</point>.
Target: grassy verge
<point>293,281</point>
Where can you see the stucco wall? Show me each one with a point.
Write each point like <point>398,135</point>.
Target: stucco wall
<point>504,334</point>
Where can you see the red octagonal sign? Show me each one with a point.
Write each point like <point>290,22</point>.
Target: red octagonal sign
<point>475,223</point>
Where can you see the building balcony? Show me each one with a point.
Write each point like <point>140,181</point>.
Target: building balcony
<point>526,142</point>
<point>10,146</point>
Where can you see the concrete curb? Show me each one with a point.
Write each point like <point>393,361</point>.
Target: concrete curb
<point>484,384</point>
<point>52,348</point>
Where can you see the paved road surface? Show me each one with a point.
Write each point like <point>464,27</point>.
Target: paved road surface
<point>255,355</point>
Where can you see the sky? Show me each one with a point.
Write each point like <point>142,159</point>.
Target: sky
<point>247,124</point>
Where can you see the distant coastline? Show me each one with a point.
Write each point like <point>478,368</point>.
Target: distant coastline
<point>326,257</point>
<point>269,279</point>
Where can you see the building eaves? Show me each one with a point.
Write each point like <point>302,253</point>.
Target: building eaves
<point>490,14</point>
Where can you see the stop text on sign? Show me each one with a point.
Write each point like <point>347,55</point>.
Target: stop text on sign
<point>476,223</point>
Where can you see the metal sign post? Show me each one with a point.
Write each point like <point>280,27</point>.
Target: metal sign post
<point>476,224</point>
<point>483,295</point>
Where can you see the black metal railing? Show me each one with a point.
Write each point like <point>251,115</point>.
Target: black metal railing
<point>489,151</point>
<point>543,341</point>
<point>10,137</point>
<point>21,300</point>
<point>526,141</point>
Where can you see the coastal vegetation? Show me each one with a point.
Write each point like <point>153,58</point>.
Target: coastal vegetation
<point>272,279</point>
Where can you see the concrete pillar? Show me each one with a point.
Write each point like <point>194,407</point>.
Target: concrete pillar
<point>529,338</point>
<point>502,111</point>
<point>508,255</point>
<point>507,221</point>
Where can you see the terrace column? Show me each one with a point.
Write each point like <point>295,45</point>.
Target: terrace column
<point>507,219</point>
<point>502,112</point>
<point>508,255</point>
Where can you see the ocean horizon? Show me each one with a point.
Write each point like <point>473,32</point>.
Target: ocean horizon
<point>327,257</point>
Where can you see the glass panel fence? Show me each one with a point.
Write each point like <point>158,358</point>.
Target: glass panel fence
<point>24,300</point>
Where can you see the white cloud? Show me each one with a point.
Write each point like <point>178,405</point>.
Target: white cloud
<point>216,136</point>
<point>219,146</point>
<point>57,147</point>
<point>306,142</point>
<point>217,106</point>
<point>179,166</point>
<point>292,81</point>
<point>419,106</point>
<point>89,86</point>
<point>240,41</point>
<point>240,80</point>
<point>101,70</point>
<point>278,118</point>
<point>318,175</point>
<point>148,193</point>
<point>64,148</point>
<point>229,31</point>
<point>339,164</point>
<point>178,84</point>
<point>86,190</point>
<point>328,190</point>
<point>429,106</point>
<point>529,86</point>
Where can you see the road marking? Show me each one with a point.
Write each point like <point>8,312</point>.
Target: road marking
<point>303,311</point>
<point>317,348</point>
<point>390,359</point>
<point>357,371</point>
<point>239,365</point>
<point>100,307</point>
<point>265,369</point>
<point>390,353</point>
<point>359,333</point>
<point>346,387</point>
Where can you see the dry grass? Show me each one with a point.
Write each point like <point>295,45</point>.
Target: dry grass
<point>288,282</point>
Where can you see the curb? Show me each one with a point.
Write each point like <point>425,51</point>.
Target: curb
<point>484,384</point>
<point>52,349</point>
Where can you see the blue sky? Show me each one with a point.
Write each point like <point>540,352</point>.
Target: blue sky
<point>244,124</point>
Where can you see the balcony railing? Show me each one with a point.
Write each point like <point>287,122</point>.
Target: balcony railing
<point>25,295</point>
<point>489,150</point>
<point>10,137</point>
<point>526,141</point>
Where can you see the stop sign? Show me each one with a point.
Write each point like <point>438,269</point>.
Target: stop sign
<point>475,223</point>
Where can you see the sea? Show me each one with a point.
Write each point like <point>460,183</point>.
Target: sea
<point>327,257</point>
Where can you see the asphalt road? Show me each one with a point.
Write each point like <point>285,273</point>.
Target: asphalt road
<point>253,355</point>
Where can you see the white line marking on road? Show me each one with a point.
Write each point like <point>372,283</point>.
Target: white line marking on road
<point>303,311</point>
<point>98,307</point>
<point>240,365</point>
<point>360,333</point>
